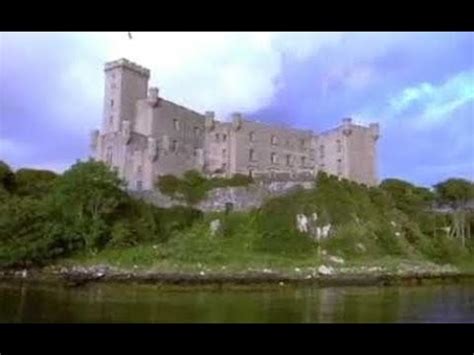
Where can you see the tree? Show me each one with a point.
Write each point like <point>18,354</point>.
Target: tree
<point>457,193</point>
<point>7,177</point>
<point>33,182</point>
<point>86,196</point>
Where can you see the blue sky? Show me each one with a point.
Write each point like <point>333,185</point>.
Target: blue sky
<point>418,86</point>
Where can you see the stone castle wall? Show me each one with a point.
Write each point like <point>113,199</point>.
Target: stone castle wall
<point>144,136</point>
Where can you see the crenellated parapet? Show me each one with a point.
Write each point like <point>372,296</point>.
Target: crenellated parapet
<point>129,65</point>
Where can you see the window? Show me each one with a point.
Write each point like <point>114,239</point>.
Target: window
<point>197,131</point>
<point>273,158</point>
<point>339,146</point>
<point>302,142</point>
<point>111,119</point>
<point>224,137</point>
<point>288,160</point>
<point>113,86</point>
<point>339,167</point>
<point>139,170</point>
<point>174,146</point>
<point>108,157</point>
<point>195,153</point>
<point>224,152</point>
<point>303,161</point>
<point>139,185</point>
<point>112,103</point>
<point>250,173</point>
<point>252,136</point>
<point>217,137</point>
<point>176,124</point>
<point>274,140</point>
<point>224,166</point>
<point>321,151</point>
<point>251,155</point>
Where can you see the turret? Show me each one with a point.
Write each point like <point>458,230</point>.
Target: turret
<point>346,126</point>
<point>374,131</point>
<point>209,120</point>
<point>236,120</point>
<point>153,97</point>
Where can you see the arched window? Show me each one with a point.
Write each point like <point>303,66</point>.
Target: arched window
<point>251,155</point>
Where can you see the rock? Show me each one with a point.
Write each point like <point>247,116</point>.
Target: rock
<point>324,252</point>
<point>302,223</point>
<point>361,247</point>
<point>393,223</point>
<point>336,259</point>
<point>325,270</point>
<point>397,234</point>
<point>308,277</point>
<point>267,271</point>
<point>297,269</point>
<point>24,273</point>
<point>135,266</point>
<point>215,226</point>
<point>281,283</point>
<point>202,273</point>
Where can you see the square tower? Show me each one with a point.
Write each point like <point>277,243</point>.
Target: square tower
<point>125,84</point>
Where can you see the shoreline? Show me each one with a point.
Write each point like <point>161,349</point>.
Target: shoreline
<point>79,276</point>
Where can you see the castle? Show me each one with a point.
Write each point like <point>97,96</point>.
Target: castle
<point>145,136</point>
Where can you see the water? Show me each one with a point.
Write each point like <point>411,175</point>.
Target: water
<point>45,303</point>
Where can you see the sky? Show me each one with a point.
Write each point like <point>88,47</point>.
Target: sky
<point>418,86</point>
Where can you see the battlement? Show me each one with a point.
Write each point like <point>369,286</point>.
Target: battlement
<point>129,65</point>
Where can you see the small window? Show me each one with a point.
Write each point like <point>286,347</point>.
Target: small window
<point>251,155</point>
<point>224,137</point>
<point>250,173</point>
<point>112,103</point>
<point>288,160</point>
<point>273,158</point>
<point>111,119</point>
<point>251,136</point>
<point>113,86</point>
<point>339,167</point>
<point>176,124</point>
<point>303,161</point>
<point>108,157</point>
<point>139,185</point>
<point>139,170</point>
<point>197,131</point>
<point>224,152</point>
<point>274,140</point>
<point>224,166</point>
<point>195,153</point>
<point>321,151</point>
<point>303,143</point>
<point>339,146</point>
<point>217,137</point>
<point>174,146</point>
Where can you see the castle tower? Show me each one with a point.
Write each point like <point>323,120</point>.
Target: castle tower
<point>125,83</point>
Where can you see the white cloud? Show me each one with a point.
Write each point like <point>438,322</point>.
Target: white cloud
<point>435,103</point>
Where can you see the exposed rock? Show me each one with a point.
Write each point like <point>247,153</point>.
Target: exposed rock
<point>336,259</point>
<point>325,270</point>
<point>361,247</point>
<point>215,226</point>
<point>297,269</point>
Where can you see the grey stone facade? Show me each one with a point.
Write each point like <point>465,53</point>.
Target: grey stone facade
<point>144,136</point>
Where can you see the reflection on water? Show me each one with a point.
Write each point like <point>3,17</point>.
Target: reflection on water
<point>21,302</point>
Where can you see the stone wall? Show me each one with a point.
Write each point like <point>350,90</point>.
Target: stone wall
<point>242,198</point>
